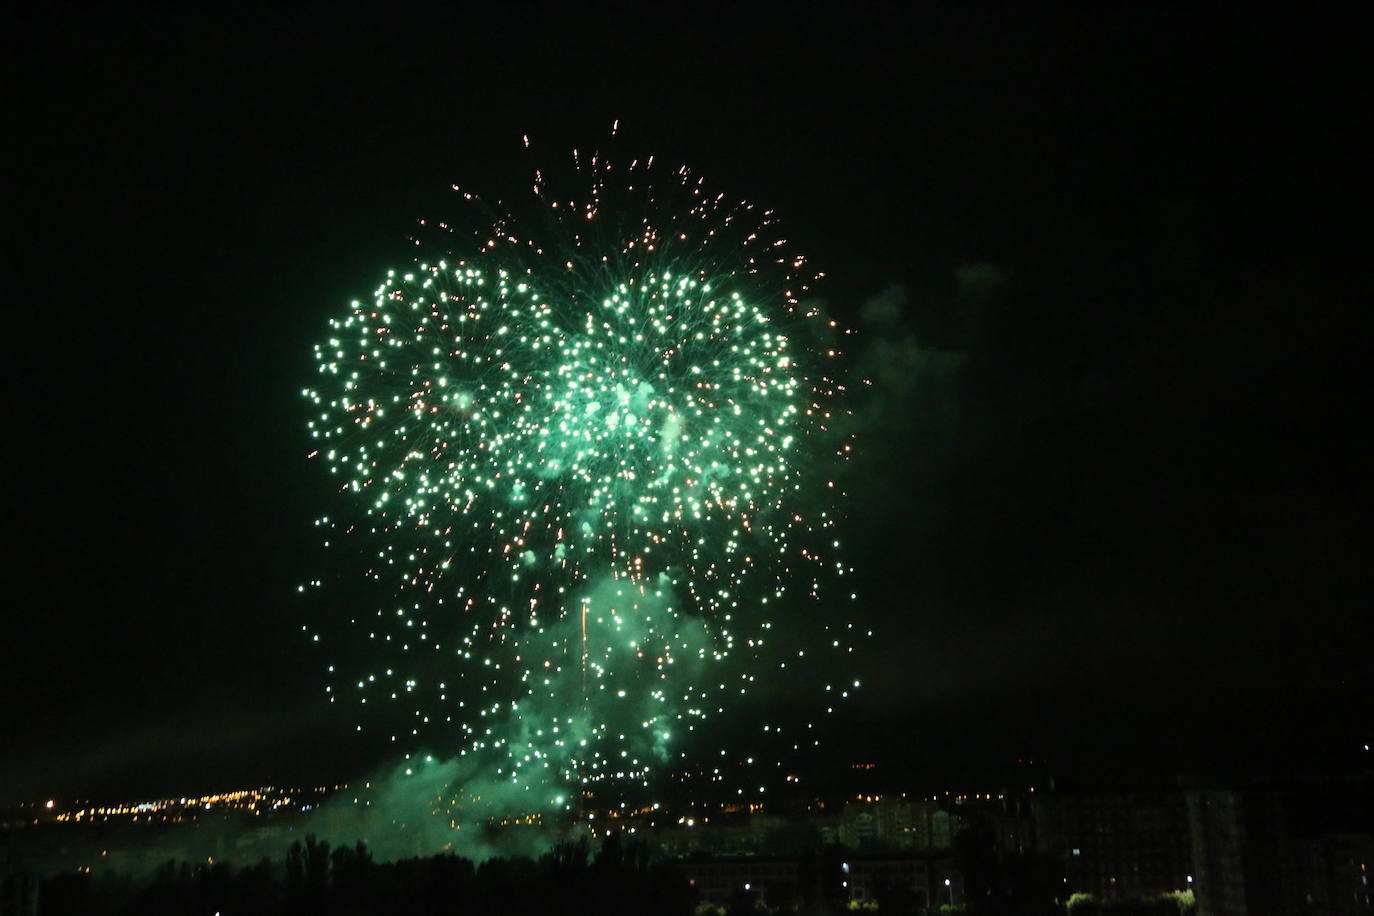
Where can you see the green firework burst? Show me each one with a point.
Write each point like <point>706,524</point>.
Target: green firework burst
<point>591,464</point>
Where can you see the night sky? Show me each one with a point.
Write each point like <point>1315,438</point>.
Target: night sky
<point>1107,270</point>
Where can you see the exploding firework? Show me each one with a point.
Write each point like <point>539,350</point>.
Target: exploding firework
<point>587,453</point>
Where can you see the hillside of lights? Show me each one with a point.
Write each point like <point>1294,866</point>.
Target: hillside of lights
<point>583,455</point>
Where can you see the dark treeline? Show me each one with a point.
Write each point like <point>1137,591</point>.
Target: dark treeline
<point>618,878</point>
<point>621,878</point>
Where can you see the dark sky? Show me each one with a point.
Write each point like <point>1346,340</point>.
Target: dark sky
<point>1109,266</point>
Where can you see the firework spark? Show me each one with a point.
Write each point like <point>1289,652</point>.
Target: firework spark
<point>589,455</point>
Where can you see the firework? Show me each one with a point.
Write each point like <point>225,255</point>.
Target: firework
<point>587,453</point>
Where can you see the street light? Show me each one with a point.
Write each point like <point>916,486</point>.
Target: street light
<point>950,887</point>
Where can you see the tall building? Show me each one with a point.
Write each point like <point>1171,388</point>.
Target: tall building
<point>891,822</point>
<point>1262,852</point>
<point>925,880</point>
<point>921,879</point>
<point>1334,874</point>
<point>1117,846</point>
